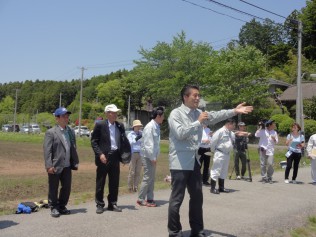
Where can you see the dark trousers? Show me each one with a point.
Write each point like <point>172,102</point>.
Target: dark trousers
<point>205,161</point>
<point>112,169</point>
<point>55,201</point>
<point>293,158</point>
<point>180,180</point>
<point>243,158</point>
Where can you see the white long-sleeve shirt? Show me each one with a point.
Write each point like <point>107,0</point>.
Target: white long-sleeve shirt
<point>151,140</point>
<point>266,140</point>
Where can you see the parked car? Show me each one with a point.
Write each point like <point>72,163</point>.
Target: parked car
<point>10,128</point>
<point>35,128</point>
<point>84,131</point>
<point>25,129</point>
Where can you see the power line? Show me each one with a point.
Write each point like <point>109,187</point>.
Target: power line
<point>262,9</point>
<point>223,14</point>
<point>235,9</point>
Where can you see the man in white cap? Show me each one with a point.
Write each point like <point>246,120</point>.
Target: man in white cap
<point>135,166</point>
<point>60,157</point>
<point>105,142</point>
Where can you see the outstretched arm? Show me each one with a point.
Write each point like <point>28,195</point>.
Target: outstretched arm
<point>243,109</point>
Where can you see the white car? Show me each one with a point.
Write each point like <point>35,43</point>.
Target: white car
<point>84,131</point>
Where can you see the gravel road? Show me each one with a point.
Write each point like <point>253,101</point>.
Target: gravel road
<point>251,209</point>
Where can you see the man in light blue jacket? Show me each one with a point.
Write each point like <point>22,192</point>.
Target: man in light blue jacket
<point>150,151</point>
<point>185,124</point>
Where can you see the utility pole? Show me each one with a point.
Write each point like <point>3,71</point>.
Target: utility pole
<point>59,99</point>
<point>15,108</point>
<point>80,107</point>
<point>299,98</point>
<point>128,111</point>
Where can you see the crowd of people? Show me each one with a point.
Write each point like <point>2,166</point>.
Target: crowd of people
<point>190,145</point>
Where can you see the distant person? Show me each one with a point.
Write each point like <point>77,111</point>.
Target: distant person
<point>150,152</point>
<point>60,157</point>
<point>185,126</point>
<point>295,142</point>
<point>205,146</point>
<point>223,142</point>
<point>311,151</point>
<point>135,165</point>
<point>268,138</point>
<point>241,146</point>
<point>105,142</point>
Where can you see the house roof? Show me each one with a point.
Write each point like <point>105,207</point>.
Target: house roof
<point>277,82</point>
<point>308,91</point>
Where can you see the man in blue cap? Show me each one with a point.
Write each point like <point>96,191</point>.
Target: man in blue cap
<point>60,155</point>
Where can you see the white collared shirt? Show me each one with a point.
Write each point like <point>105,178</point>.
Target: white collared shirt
<point>112,136</point>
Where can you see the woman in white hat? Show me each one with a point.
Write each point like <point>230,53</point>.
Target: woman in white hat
<point>135,166</point>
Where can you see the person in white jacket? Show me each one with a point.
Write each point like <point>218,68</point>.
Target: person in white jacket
<point>311,151</point>
<point>222,144</point>
<point>150,150</point>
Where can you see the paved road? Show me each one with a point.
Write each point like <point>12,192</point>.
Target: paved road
<point>251,209</point>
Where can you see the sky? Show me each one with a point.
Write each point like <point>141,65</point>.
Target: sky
<point>53,40</point>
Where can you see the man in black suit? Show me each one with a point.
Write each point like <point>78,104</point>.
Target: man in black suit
<point>105,141</point>
<point>60,157</point>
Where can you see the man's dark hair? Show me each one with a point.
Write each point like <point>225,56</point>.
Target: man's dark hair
<point>230,120</point>
<point>186,90</point>
<point>157,111</point>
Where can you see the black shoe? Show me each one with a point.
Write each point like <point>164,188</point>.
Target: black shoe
<point>54,213</point>
<point>115,208</point>
<point>64,211</point>
<point>214,191</point>
<point>206,183</point>
<point>223,190</point>
<point>99,210</point>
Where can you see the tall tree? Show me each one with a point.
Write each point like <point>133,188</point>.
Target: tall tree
<point>165,68</point>
<point>308,18</point>
<point>235,75</point>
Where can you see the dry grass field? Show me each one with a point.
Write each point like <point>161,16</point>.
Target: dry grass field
<point>23,177</point>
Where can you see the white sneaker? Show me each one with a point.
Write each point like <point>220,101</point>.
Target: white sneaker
<point>286,181</point>
<point>238,177</point>
<point>294,182</point>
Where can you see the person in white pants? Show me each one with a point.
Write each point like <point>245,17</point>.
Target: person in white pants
<point>311,151</point>
<point>222,144</point>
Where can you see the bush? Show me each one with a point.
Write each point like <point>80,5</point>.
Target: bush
<point>283,122</point>
<point>310,128</point>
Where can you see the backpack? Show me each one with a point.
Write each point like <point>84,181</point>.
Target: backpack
<point>27,208</point>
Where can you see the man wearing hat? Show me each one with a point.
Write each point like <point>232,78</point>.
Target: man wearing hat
<point>241,140</point>
<point>60,157</point>
<point>135,166</point>
<point>105,142</point>
<point>268,137</point>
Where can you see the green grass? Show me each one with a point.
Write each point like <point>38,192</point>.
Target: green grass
<point>309,230</point>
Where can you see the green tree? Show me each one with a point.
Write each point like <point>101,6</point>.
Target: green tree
<point>166,68</point>
<point>235,75</point>
<point>111,93</point>
<point>7,105</point>
<point>308,18</point>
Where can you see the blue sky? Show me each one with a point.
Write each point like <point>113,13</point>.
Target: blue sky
<point>51,40</point>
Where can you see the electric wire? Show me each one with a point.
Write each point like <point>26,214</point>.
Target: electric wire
<point>235,9</point>
<point>262,9</point>
<point>206,8</point>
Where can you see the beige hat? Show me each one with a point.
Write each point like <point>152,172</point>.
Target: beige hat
<point>137,123</point>
<point>111,108</point>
